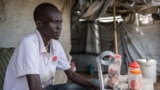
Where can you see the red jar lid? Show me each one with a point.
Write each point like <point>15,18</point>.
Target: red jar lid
<point>134,65</point>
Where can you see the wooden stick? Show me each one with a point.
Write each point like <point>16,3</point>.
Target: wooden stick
<point>115,29</point>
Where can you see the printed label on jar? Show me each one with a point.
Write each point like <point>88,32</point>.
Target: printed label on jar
<point>134,84</point>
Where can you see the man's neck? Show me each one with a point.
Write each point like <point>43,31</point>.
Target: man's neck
<point>45,39</point>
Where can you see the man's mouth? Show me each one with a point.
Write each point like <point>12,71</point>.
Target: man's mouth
<point>57,35</point>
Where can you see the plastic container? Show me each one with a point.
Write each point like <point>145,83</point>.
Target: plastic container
<point>149,68</point>
<point>135,80</point>
<point>114,72</point>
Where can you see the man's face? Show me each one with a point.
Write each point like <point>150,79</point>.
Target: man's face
<point>53,25</point>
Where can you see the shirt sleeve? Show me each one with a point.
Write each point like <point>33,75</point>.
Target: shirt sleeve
<point>27,58</point>
<point>63,63</point>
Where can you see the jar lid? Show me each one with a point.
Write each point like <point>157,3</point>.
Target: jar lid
<point>136,71</point>
<point>117,56</point>
<point>134,65</point>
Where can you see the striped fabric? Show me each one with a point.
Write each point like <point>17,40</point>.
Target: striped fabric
<point>5,54</point>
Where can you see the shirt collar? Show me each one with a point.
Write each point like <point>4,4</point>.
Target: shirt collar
<point>52,46</point>
<point>41,43</point>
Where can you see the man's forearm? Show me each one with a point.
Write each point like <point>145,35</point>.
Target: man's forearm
<point>81,80</point>
<point>34,82</point>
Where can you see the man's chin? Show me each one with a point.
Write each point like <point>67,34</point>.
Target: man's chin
<point>56,38</point>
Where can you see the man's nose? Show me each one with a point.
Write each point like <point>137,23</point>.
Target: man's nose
<point>59,26</point>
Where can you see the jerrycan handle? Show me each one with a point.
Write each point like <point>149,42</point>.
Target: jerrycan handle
<point>147,59</point>
<point>105,61</point>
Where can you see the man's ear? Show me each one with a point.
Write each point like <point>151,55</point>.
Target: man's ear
<point>39,24</point>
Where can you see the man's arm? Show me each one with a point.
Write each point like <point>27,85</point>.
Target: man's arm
<point>75,77</point>
<point>34,82</point>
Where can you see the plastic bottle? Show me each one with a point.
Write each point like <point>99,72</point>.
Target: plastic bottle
<point>91,69</point>
<point>135,80</point>
<point>114,73</point>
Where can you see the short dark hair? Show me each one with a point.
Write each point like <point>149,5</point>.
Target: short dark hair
<point>41,8</point>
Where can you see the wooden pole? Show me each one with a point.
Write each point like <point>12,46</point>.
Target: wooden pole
<point>115,28</point>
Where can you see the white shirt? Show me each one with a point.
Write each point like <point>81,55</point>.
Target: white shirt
<point>31,57</point>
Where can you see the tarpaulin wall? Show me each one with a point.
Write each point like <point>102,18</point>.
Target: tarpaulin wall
<point>133,45</point>
<point>87,29</point>
<point>93,37</point>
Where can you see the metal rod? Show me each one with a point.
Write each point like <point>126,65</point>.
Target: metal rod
<point>100,74</point>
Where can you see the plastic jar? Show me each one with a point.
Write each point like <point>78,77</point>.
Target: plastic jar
<point>114,72</point>
<point>135,80</point>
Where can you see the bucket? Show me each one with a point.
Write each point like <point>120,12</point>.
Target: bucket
<point>148,68</point>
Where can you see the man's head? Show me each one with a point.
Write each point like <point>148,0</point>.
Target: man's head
<point>48,20</point>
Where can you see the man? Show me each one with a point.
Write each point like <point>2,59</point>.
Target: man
<point>35,60</point>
